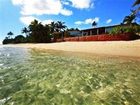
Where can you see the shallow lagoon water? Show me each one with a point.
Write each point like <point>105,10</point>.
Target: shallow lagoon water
<point>33,77</point>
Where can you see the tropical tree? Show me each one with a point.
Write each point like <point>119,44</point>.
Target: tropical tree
<point>10,34</point>
<point>94,24</point>
<point>137,8</point>
<point>137,2</point>
<point>33,29</point>
<point>73,29</point>
<point>60,26</point>
<point>19,39</point>
<point>33,25</point>
<point>25,30</point>
<point>129,19</point>
<point>52,27</point>
<point>8,39</point>
<point>38,32</point>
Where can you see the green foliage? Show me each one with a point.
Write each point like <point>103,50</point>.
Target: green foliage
<point>36,32</point>
<point>10,34</point>
<point>125,29</point>
<point>116,30</point>
<point>129,19</point>
<point>7,41</point>
<point>94,24</point>
<point>39,33</point>
<point>73,29</point>
<point>25,30</point>
<point>19,39</point>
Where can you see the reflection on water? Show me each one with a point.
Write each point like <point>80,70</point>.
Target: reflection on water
<point>40,78</point>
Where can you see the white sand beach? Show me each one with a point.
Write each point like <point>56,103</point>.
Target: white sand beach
<point>116,48</point>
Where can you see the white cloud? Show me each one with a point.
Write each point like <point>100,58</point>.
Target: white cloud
<point>28,19</point>
<point>78,22</point>
<point>96,19</point>
<point>40,7</point>
<point>47,21</point>
<point>66,12</point>
<point>88,21</point>
<point>82,4</point>
<point>108,21</point>
<point>17,2</point>
<point>51,7</point>
<point>65,2</point>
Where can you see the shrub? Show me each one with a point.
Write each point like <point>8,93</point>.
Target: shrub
<point>116,30</point>
<point>8,41</point>
<point>125,29</point>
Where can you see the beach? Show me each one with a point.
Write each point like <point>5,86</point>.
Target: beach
<point>70,73</point>
<point>110,48</point>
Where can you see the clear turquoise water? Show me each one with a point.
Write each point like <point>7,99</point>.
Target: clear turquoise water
<point>32,77</point>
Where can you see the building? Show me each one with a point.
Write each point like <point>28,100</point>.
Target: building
<point>88,32</point>
<point>100,30</point>
<point>74,33</point>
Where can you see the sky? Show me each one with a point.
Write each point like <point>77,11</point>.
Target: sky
<point>16,14</point>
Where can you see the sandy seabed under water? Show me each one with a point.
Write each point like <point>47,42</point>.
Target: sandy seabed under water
<point>62,76</point>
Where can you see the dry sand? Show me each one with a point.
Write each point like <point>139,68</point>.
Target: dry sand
<point>111,48</point>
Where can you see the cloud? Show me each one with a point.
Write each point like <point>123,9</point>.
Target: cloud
<point>0,41</point>
<point>79,22</point>
<point>46,21</point>
<point>41,7</point>
<point>51,7</point>
<point>108,21</point>
<point>26,20</point>
<point>66,12</point>
<point>82,4</point>
<point>17,2</point>
<point>65,2</point>
<point>88,21</point>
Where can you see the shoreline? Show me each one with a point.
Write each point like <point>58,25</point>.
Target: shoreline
<point>106,48</point>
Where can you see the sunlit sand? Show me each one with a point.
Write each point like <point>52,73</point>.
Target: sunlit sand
<point>117,48</point>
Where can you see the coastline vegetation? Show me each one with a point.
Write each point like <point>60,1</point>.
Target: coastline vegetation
<point>36,32</point>
<point>130,21</point>
<point>49,78</point>
<point>47,34</point>
<point>132,29</point>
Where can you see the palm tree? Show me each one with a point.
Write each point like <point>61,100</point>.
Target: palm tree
<point>94,24</point>
<point>34,30</point>
<point>52,27</point>
<point>33,25</point>
<point>38,32</point>
<point>129,19</point>
<point>137,2</point>
<point>60,26</point>
<point>25,30</point>
<point>10,34</point>
<point>137,10</point>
